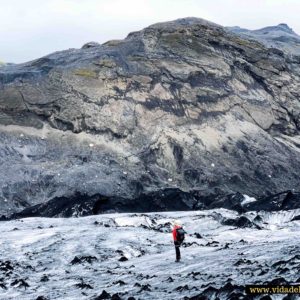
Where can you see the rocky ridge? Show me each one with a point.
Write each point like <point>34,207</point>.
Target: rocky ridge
<point>281,36</point>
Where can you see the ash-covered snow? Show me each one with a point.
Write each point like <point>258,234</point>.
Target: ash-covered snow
<point>247,200</point>
<point>133,255</point>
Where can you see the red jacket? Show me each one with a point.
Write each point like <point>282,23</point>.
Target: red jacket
<point>174,232</point>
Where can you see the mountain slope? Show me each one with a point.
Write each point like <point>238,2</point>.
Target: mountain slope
<point>280,36</point>
<point>183,110</point>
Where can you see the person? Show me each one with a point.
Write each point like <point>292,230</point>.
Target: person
<point>178,237</point>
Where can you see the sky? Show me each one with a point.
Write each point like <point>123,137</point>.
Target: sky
<point>33,28</point>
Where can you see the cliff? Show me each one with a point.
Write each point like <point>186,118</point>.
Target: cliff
<point>174,116</point>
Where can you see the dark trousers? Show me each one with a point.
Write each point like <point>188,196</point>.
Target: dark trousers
<point>177,250</point>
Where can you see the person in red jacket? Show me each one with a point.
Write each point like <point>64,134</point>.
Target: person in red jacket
<point>178,237</point>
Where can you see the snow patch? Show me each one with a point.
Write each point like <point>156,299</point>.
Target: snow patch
<point>248,199</point>
<point>130,248</point>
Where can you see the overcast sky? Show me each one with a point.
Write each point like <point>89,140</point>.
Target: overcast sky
<point>32,28</point>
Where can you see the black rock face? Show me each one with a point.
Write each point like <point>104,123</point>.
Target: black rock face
<point>241,222</point>
<point>166,200</point>
<point>282,201</point>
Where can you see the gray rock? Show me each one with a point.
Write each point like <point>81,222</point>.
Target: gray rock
<point>185,106</point>
<point>90,45</point>
<point>281,36</point>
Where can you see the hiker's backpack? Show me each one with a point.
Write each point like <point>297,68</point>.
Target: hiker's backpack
<point>180,234</point>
